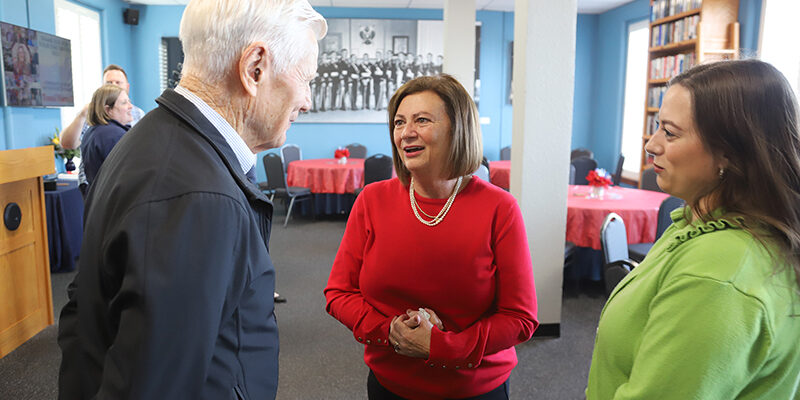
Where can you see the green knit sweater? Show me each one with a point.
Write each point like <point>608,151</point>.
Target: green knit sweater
<point>704,316</point>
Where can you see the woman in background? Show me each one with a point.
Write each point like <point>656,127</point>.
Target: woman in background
<point>434,275</point>
<point>108,116</point>
<point>713,311</point>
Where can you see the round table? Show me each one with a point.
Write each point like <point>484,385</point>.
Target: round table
<point>500,172</point>
<point>638,208</point>
<point>64,212</point>
<point>326,175</point>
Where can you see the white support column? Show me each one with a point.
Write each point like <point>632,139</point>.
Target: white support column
<point>459,42</point>
<point>544,69</point>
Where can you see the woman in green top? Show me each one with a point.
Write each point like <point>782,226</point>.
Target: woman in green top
<point>713,312</point>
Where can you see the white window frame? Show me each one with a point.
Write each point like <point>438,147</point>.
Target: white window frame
<point>777,42</point>
<point>81,25</point>
<point>634,100</point>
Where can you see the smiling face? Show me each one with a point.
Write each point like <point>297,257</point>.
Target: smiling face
<point>283,98</point>
<point>685,168</point>
<point>422,135</point>
<point>121,110</point>
<point>117,78</point>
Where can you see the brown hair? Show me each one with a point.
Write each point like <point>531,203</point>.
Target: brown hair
<point>746,112</point>
<point>115,67</point>
<point>466,147</point>
<point>106,95</point>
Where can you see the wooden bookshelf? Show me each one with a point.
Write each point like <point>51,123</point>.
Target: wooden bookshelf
<point>682,36</point>
<point>672,47</point>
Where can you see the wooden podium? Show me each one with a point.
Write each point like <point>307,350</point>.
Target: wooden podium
<point>26,304</point>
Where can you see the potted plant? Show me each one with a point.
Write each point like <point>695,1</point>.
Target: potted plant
<point>66,154</point>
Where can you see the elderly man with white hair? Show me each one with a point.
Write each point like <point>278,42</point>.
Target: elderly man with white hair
<point>174,299</point>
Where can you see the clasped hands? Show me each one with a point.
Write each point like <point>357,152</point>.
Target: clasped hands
<point>410,333</point>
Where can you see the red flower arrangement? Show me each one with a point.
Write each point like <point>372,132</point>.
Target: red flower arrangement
<point>339,153</point>
<point>598,178</point>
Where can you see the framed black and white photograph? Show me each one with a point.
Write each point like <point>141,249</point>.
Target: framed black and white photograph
<point>331,42</point>
<point>362,62</point>
<point>400,44</point>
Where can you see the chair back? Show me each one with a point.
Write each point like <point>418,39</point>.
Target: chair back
<point>581,152</point>
<point>289,153</point>
<point>505,153</point>
<point>357,150</point>
<point>572,174</point>
<point>482,172</point>
<point>664,220</point>
<point>617,177</point>
<point>582,167</point>
<point>649,180</point>
<point>377,168</point>
<point>273,166</point>
<point>614,239</point>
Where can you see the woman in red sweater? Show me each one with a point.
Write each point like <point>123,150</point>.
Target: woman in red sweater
<point>434,274</point>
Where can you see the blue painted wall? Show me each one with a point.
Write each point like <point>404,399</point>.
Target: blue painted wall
<point>26,126</point>
<point>749,26</point>
<point>585,64</point>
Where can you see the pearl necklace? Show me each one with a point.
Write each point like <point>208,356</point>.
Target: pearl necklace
<point>439,217</point>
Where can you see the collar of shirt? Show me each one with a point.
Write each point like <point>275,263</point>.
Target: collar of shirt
<point>246,158</point>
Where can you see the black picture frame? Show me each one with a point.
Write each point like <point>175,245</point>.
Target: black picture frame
<point>399,44</point>
<point>331,42</point>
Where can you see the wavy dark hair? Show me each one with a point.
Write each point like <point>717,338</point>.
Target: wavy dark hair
<point>746,112</point>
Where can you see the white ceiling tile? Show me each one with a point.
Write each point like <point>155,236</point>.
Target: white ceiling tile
<point>371,3</point>
<point>496,5</point>
<point>426,4</point>
<point>320,3</point>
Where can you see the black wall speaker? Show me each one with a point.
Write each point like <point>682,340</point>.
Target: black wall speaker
<point>131,16</point>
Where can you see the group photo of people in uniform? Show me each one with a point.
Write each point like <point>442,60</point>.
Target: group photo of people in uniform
<point>361,63</point>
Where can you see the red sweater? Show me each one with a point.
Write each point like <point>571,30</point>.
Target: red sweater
<point>473,269</point>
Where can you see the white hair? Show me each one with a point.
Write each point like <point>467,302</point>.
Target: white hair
<point>215,32</point>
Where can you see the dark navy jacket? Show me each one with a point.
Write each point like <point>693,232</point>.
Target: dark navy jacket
<point>174,298</point>
<point>97,144</point>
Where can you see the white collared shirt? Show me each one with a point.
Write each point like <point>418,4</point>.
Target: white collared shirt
<point>246,158</point>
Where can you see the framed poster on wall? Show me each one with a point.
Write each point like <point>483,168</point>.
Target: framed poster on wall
<point>362,62</point>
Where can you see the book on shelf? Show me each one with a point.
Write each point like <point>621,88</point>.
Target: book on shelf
<point>652,124</point>
<point>674,32</point>
<point>655,95</point>
<point>668,66</point>
<point>666,8</point>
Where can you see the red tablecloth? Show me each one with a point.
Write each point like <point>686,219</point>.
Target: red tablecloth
<point>327,175</point>
<point>638,208</point>
<point>500,173</point>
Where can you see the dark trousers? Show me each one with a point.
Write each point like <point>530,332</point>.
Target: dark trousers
<point>376,391</point>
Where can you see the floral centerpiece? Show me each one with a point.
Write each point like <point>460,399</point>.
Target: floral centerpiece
<point>341,155</point>
<point>599,180</point>
<point>66,154</point>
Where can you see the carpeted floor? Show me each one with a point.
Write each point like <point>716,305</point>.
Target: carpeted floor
<point>319,358</point>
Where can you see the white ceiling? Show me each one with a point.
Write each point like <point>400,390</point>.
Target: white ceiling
<point>584,6</point>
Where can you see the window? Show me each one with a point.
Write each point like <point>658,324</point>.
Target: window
<point>170,60</point>
<point>81,26</point>
<point>635,86</point>
<point>779,34</point>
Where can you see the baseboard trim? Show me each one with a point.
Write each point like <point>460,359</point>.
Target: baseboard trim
<point>548,331</point>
